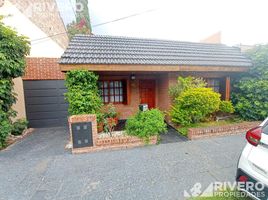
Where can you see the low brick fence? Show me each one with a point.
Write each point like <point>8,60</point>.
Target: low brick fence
<point>117,142</point>
<point>121,142</point>
<point>230,129</point>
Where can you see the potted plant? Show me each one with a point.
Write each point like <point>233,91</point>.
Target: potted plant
<point>109,125</point>
<point>110,114</point>
<point>100,122</point>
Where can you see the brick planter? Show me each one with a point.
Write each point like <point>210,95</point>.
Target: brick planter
<point>196,133</point>
<point>120,142</point>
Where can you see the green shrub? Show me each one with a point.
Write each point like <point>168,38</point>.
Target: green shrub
<point>226,107</point>
<point>13,49</point>
<point>184,84</point>
<point>146,124</point>
<point>194,105</point>
<point>19,126</point>
<point>250,92</point>
<point>7,97</point>
<point>83,95</point>
<point>251,99</point>
<point>5,128</point>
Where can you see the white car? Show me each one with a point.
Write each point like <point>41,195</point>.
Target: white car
<point>252,171</point>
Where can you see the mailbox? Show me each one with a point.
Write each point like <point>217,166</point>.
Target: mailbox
<point>82,134</point>
<point>143,107</point>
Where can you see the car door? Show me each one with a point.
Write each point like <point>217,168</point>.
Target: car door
<point>258,156</point>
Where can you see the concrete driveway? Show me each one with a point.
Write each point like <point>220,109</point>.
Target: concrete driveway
<point>39,168</point>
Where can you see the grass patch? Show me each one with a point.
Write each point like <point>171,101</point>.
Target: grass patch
<point>184,130</point>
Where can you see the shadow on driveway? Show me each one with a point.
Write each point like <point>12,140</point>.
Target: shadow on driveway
<point>172,136</point>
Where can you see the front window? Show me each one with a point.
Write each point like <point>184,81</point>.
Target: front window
<point>112,91</point>
<point>214,84</point>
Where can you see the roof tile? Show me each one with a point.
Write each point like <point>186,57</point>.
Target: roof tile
<point>95,49</point>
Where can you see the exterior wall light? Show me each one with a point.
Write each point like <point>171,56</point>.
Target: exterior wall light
<point>132,77</point>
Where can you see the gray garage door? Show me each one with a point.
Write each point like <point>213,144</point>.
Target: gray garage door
<point>45,105</point>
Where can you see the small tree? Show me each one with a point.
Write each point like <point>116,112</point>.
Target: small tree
<point>250,92</point>
<point>13,49</point>
<point>83,95</point>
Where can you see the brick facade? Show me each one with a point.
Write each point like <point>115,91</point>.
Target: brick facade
<point>163,82</point>
<point>43,69</point>
<point>163,96</point>
<point>161,92</point>
<point>48,69</point>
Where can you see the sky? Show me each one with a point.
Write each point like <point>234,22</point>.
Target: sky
<point>239,21</point>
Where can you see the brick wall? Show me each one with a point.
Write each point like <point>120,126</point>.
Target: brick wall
<point>43,69</point>
<point>125,111</point>
<point>163,96</point>
<point>196,133</point>
<point>45,15</point>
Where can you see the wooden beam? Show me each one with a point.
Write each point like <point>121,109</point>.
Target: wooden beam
<point>227,88</point>
<point>149,68</point>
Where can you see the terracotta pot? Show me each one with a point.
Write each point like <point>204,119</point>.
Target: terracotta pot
<point>100,127</point>
<point>113,120</point>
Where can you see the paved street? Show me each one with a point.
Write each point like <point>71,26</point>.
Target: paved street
<point>39,168</point>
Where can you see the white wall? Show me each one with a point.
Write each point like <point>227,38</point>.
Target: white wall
<point>19,106</point>
<point>18,21</point>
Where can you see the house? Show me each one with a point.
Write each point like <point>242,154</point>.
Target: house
<point>134,71</point>
<point>40,91</point>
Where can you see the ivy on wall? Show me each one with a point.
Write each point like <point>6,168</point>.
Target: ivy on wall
<point>83,94</point>
<point>13,49</point>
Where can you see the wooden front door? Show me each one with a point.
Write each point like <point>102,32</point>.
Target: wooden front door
<point>147,93</point>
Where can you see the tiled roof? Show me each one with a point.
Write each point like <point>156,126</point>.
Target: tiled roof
<point>96,49</point>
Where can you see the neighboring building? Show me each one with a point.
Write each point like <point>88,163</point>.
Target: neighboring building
<point>40,21</point>
<point>245,48</point>
<point>133,71</point>
<point>213,39</point>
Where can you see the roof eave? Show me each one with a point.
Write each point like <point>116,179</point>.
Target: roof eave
<point>150,68</point>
